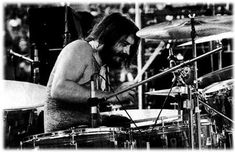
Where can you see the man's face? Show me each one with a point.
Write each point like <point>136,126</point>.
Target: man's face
<point>121,49</point>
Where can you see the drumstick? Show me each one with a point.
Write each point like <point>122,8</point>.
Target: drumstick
<point>163,73</point>
<point>150,60</point>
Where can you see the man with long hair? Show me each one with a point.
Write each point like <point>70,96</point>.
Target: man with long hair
<point>111,43</point>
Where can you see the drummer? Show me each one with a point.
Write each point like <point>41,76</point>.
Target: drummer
<point>111,44</point>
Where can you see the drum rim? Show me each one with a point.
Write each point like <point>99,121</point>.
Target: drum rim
<point>73,132</point>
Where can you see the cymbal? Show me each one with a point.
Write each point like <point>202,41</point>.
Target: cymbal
<point>175,91</point>
<point>181,29</point>
<point>221,36</point>
<point>22,95</point>
<point>216,76</point>
<point>218,86</point>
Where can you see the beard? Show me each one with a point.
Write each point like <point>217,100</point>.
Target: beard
<point>112,59</point>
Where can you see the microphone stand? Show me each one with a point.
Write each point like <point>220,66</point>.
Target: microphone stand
<point>94,108</point>
<point>36,75</point>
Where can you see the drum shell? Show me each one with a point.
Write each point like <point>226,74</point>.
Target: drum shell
<point>78,138</point>
<point>169,137</point>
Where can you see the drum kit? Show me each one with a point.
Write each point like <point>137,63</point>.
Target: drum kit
<point>170,129</point>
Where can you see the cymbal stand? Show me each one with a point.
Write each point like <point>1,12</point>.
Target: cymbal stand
<point>195,97</point>
<point>188,106</point>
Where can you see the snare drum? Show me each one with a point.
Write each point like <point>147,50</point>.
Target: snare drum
<point>103,137</point>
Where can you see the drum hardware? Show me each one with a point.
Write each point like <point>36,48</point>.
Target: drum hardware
<point>195,98</point>
<point>108,137</point>
<point>174,104</point>
<point>177,90</point>
<point>35,64</point>
<point>205,104</point>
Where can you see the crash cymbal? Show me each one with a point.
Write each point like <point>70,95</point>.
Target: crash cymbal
<point>22,95</point>
<point>218,86</point>
<point>181,29</point>
<point>216,76</point>
<point>175,91</point>
<point>221,36</point>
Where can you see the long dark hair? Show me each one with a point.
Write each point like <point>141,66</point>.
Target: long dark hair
<point>110,29</point>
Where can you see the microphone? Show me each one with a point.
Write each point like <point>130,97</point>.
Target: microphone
<point>91,101</point>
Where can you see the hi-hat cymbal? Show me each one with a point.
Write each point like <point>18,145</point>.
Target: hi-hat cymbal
<point>181,29</point>
<point>22,95</point>
<point>175,91</point>
<point>218,86</point>
<point>221,36</point>
<point>146,117</point>
<point>216,76</point>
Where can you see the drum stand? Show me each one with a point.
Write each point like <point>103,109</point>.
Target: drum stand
<point>195,97</point>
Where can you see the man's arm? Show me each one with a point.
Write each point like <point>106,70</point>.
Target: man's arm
<point>71,64</point>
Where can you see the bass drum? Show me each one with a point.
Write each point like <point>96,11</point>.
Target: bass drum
<point>103,137</point>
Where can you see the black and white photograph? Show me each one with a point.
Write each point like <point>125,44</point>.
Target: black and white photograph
<point>117,75</point>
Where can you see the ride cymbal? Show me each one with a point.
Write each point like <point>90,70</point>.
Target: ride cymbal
<point>181,29</point>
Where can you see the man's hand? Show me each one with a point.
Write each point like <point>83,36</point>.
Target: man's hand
<point>127,95</point>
